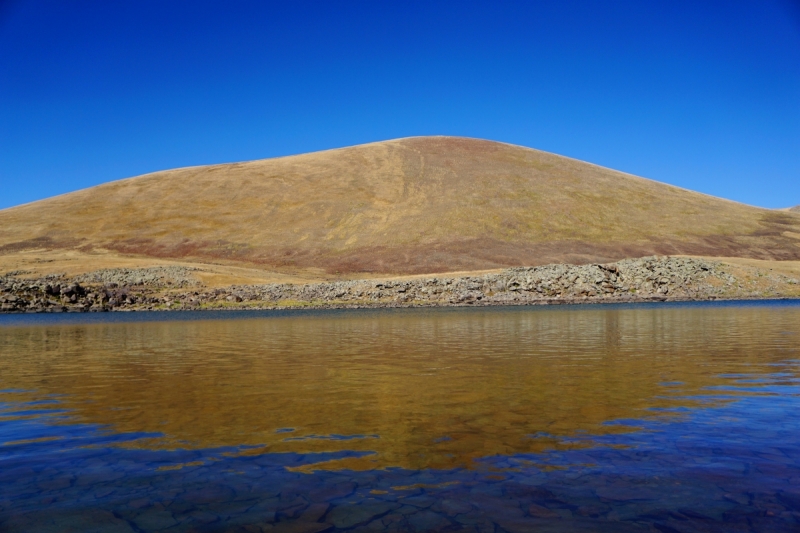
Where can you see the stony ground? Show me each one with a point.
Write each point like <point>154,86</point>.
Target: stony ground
<point>152,276</point>
<point>646,279</point>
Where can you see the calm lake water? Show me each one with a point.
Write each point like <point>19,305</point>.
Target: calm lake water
<point>654,418</point>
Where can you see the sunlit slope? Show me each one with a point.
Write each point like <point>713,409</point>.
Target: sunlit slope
<point>411,205</point>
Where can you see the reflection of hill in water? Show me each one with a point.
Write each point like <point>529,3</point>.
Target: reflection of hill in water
<point>439,388</point>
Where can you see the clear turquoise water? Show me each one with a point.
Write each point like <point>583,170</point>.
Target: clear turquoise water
<point>656,418</point>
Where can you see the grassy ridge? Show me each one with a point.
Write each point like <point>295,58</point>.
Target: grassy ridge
<point>426,204</point>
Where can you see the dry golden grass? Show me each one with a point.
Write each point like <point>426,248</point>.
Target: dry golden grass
<point>41,262</point>
<point>786,268</point>
<point>758,279</point>
<point>408,206</point>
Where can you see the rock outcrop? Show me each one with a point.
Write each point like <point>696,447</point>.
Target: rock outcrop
<point>169,276</point>
<point>57,294</point>
<point>646,279</point>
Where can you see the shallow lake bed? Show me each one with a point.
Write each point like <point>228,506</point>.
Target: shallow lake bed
<point>680,417</point>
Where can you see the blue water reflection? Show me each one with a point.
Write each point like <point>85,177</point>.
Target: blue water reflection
<point>721,468</point>
<point>725,457</point>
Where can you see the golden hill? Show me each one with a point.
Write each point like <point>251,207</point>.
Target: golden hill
<point>425,204</point>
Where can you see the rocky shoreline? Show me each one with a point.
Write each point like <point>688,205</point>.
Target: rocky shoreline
<point>174,288</point>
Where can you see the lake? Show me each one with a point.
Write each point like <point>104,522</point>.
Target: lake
<point>653,418</point>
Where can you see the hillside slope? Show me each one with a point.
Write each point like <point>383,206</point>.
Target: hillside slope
<point>424,204</point>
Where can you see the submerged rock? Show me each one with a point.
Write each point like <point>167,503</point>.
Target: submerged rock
<point>346,516</point>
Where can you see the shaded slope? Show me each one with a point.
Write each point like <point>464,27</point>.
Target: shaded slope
<point>411,205</point>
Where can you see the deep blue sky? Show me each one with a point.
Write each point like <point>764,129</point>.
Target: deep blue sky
<point>700,94</point>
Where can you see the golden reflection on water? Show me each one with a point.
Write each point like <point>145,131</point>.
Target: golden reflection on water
<point>422,389</point>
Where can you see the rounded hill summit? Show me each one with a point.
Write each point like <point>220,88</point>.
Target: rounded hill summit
<point>414,205</point>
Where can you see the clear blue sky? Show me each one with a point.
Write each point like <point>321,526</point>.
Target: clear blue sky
<point>701,94</point>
